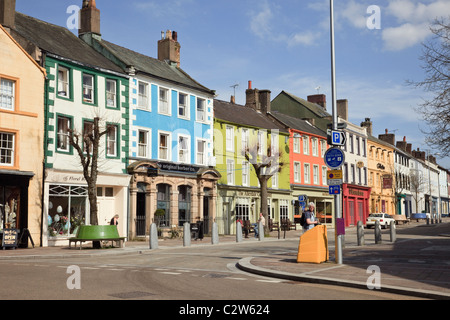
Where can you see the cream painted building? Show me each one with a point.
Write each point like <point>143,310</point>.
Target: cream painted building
<point>21,139</point>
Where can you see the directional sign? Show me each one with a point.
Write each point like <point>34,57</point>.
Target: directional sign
<point>303,198</point>
<point>334,189</point>
<point>334,158</point>
<point>338,138</point>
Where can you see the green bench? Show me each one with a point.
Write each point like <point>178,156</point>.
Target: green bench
<point>97,233</point>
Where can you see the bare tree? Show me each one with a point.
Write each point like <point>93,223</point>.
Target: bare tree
<point>266,164</point>
<point>416,183</point>
<point>87,146</point>
<point>436,64</point>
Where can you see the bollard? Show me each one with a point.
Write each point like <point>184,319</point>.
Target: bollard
<point>186,234</point>
<point>428,220</point>
<point>393,231</point>
<point>153,236</point>
<point>377,232</point>
<point>215,233</point>
<point>260,231</point>
<point>360,233</point>
<point>238,232</point>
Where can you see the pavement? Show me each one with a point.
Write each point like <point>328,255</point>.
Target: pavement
<point>416,264</point>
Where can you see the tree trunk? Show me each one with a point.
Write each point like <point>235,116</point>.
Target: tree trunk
<point>263,193</point>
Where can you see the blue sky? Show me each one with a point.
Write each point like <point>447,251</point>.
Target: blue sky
<point>285,45</point>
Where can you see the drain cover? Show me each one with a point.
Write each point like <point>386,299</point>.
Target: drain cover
<point>132,295</point>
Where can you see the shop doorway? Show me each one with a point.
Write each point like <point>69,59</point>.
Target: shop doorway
<point>184,205</point>
<point>163,202</point>
<point>141,210</point>
<point>206,202</point>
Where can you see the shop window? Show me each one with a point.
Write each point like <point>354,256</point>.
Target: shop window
<point>284,209</point>
<point>163,202</point>
<point>242,209</point>
<point>184,204</point>
<point>9,207</point>
<point>66,209</point>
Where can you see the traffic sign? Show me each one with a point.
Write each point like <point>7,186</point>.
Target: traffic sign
<point>338,138</point>
<point>334,189</point>
<point>334,174</point>
<point>303,198</point>
<point>334,158</point>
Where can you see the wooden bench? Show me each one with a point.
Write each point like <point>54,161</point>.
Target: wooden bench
<point>288,225</point>
<point>97,233</point>
<point>274,225</point>
<point>400,218</point>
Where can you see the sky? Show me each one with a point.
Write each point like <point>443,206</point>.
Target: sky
<point>285,45</point>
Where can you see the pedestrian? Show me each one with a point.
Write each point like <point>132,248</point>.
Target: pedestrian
<point>311,220</point>
<point>115,220</point>
<point>244,228</point>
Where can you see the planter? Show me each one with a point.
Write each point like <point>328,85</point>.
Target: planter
<point>97,232</point>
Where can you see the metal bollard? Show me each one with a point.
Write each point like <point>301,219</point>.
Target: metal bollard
<point>260,231</point>
<point>187,234</point>
<point>360,233</point>
<point>393,231</point>
<point>238,232</point>
<point>215,233</point>
<point>153,236</point>
<point>377,232</point>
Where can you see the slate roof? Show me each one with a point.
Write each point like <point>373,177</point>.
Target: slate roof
<point>153,67</point>
<point>298,124</point>
<point>311,106</point>
<point>244,116</point>
<point>60,42</point>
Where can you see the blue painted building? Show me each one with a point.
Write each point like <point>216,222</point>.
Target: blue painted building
<point>171,134</point>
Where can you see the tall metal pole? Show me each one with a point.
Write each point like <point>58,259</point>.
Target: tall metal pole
<point>337,197</point>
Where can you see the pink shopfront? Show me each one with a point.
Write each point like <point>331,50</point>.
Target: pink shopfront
<point>355,204</point>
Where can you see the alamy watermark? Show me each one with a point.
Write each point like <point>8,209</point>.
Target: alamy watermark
<point>374,280</point>
<point>374,20</point>
<point>74,280</point>
<point>73,19</point>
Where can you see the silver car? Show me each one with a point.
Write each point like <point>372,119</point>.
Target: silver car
<point>384,218</point>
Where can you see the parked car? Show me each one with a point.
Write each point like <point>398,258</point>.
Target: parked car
<point>384,218</point>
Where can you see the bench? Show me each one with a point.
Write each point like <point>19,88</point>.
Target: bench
<point>400,218</point>
<point>287,225</point>
<point>97,233</point>
<point>274,225</point>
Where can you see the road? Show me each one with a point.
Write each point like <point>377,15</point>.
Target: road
<point>200,273</point>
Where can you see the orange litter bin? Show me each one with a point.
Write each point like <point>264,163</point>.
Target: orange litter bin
<point>313,245</point>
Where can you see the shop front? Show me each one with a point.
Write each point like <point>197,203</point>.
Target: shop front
<point>66,204</point>
<point>182,193</point>
<point>14,210</point>
<point>355,204</point>
<point>323,201</point>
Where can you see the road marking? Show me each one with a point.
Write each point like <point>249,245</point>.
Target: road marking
<point>271,281</point>
<point>232,278</point>
<point>173,273</point>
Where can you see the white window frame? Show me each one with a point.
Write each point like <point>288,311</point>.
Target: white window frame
<point>111,95</point>
<point>62,134</point>
<point>168,147</point>
<point>143,101</point>
<point>262,139</point>
<point>316,174</point>
<point>284,209</point>
<point>199,113</point>
<point>229,138</point>
<point>146,145</point>
<point>274,138</point>
<point>201,156</point>
<point>112,140</point>
<point>7,151</point>
<point>245,137</point>
<point>184,106</point>
<point>297,172</point>
<point>296,143</point>
<point>323,148</point>
<point>164,102</point>
<point>88,89</point>
<point>275,181</point>
<point>324,175</point>
<point>63,82</point>
<point>230,171</point>
<point>184,153</point>
<point>315,147</point>
<point>245,173</point>
<point>306,145</point>
<point>306,173</point>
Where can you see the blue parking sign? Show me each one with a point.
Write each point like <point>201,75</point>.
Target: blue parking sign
<point>334,158</point>
<point>334,189</point>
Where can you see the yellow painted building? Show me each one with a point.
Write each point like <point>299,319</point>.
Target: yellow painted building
<point>21,139</point>
<point>381,176</point>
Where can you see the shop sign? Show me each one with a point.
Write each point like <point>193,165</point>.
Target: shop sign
<point>10,237</point>
<point>356,192</point>
<point>168,166</point>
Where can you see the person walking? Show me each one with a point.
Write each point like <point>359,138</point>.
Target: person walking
<point>310,217</point>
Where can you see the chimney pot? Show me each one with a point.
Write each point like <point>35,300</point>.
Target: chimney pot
<point>249,84</point>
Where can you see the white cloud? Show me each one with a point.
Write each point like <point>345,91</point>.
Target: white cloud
<point>404,36</point>
<point>261,21</point>
<point>414,18</point>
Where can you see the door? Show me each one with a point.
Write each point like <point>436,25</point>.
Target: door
<point>140,214</point>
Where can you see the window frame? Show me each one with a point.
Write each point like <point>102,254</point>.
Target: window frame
<point>93,100</point>
<point>164,103</point>
<point>168,136</point>
<point>142,97</point>
<point>186,151</point>
<point>12,150</point>
<point>116,93</point>
<point>199,111</point>
<point>69,148</point>
<point>116,141</point>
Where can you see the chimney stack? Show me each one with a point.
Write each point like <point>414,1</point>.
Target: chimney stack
<point>368,125</point>
<point>8,14</point>
<point>402,144</point>
<point>89,18</point>
<point>257,99</point>
<point>387,137</point>
<point>342,109</point>
<point>169,47</point>
<point>319,99</point>
<point>264,99</point>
